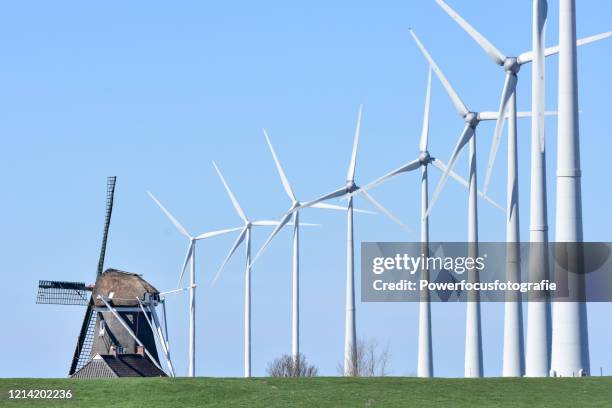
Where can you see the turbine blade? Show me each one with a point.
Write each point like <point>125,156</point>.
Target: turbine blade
<point>186,262</point>
<point>383,210</point>
<point>490,201</point>
<point>408,167</point>
<point>174,221</point>
<point>274,233</point>
<point>350,176</point>
<point>489,115</point>
<point>465,137</point>
<point>266,223</point>
<point>230,253</point>
<point>530,114</point>
<point>337,193</point>
<point>497,56</point>
<point>306,224</point>
<point>327,206</point>
<point>425,130</point>
<point>231,195</point>
<point>509,88</point>
<point>459,105</point>
<point>528,56</point>
<point>442,167</point>
<point>216,233</point>
<point>280,170</point>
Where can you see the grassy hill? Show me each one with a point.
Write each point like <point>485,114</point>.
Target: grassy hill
<point>319,392</point>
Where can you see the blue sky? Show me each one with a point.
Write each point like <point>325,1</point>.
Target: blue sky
<point>152,92</point>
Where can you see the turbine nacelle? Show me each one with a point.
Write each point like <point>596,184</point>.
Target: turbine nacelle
<point>425,158</point>
<point>351,187</point>
<point>511,65</point>
<point>471,118</point>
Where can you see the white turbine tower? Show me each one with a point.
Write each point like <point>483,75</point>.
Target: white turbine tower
<point>294,211</point>
<point>348,188</point>
<point>190,259</point>
<point>245,235</point>
<point>570,343</point>
<point>537,348</point>
<point>425,352</point>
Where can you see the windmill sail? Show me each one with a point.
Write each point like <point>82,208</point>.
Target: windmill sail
<point>85,341</point>
<point>86,336</point>
<point>110,195</point>
<point>63,293</point>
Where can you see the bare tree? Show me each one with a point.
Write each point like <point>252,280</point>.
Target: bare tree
<point>369,359</point>
<point>289,366</point>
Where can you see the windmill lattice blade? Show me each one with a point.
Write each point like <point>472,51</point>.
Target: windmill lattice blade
<point>497,56</point>
<point>230,253</point>
<point>217,233</point>
<point>174,221</point>
<point>231,195</point>
<point>350,176</point>
<point>110,197</point>
<point>442,167</point>
<point>186,262</point>
<point>425,129</point>
<point>509,88</point>
<point>280,170</point>
<point>383,210</point>
<point>274,233</point>
<point>465,137</point>
<point>459,105</point>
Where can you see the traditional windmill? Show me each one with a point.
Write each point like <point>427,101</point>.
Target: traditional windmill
<point>120,325</point>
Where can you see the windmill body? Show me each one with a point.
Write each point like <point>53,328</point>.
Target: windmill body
<point>120,321</point>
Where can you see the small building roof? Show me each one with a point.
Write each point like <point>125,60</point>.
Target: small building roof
<point>120,365</point>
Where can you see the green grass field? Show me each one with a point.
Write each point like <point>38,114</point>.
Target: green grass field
<point>319,392</point>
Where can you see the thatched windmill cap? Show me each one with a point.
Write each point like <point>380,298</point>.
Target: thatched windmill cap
<point>122,288</point>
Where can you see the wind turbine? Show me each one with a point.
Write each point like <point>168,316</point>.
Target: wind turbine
<point>513,334</point>
<point>190,259</point>
<point>473,347</point>
<point>245,235</point>
<point>348,188</point>
<point>512,66</point>
<point>425,354</point>
<point>294,211</point>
